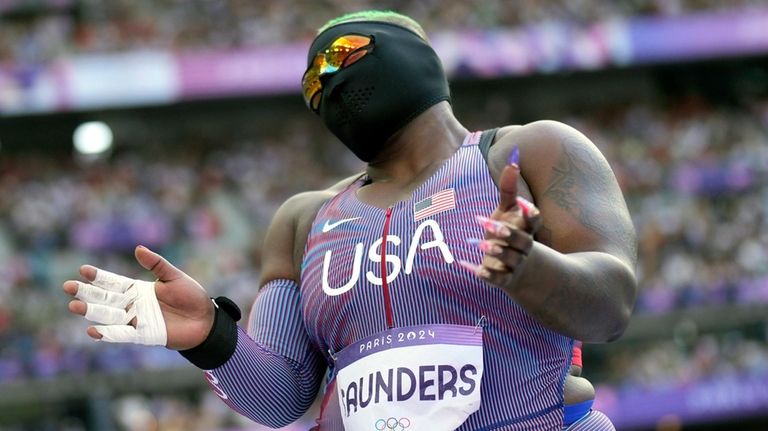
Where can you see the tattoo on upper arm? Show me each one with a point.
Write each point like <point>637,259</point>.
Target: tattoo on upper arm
<point>580,172</point>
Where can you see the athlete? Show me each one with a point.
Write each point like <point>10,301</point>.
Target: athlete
<point>441,289</point>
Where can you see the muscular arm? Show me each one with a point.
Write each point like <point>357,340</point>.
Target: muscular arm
<point>579,276</point>
<point>275,371</point>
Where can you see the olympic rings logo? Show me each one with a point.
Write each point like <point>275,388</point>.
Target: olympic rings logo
<point>393,424</point>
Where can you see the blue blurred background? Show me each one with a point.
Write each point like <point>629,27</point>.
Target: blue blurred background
<point>177,124</point>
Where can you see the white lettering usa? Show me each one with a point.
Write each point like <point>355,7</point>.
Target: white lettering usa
<point>374,255</point>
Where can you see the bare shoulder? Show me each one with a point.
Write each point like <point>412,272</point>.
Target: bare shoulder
<point>286,237</point>
<point>539,140</point>
<point>542,145</point>
<point>573,185</point>
<point>302,207</point>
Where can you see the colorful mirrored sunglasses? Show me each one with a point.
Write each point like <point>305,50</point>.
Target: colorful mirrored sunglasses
<point>343,51</point>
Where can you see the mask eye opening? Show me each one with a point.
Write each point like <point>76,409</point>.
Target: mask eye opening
<point>343,52</point>
<point>356,55</point>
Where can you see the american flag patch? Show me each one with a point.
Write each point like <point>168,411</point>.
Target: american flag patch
<point>438,202</point>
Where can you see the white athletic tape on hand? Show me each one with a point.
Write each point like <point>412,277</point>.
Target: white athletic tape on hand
<point>118,333</point>
<point>96,295</point>
<point>111,281</point>
<point>142,304</point>
<point>107,315</point>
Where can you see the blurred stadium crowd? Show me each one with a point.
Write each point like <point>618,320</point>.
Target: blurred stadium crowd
<point>700,207</point>
<point>38,32</point>
<point>694,174</point>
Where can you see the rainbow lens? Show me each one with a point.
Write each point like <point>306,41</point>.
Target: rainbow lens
<point>343,51</point>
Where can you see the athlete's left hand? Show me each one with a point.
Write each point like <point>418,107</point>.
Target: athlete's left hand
<point>509,231</point>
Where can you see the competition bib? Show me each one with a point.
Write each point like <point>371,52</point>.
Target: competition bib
<point>418,378</point>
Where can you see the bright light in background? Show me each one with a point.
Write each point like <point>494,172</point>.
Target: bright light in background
<point>92,138</point>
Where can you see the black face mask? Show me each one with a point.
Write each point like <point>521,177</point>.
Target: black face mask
<point>368,102</point>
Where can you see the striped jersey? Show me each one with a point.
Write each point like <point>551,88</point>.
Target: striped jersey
<point>367,269</point>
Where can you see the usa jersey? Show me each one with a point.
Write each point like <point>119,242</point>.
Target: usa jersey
<point>367,269</point>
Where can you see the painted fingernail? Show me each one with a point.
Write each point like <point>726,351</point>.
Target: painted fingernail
<point>473,241</point>
<point>487,247</point>
<point>514,156</point>
<point>493,226</point>
<point>478,270</point>
<point>525,204</point>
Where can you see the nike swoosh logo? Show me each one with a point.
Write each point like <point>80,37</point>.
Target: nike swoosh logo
<point>328,226</point>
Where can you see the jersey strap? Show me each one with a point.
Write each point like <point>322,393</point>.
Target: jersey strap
<point>486,140</point>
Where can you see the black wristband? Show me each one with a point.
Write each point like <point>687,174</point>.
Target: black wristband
<point>220,344</point>
<point>229,306</point>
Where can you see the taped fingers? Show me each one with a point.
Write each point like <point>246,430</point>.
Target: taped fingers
<point>150,321</point>
<point>96,295</point>
<point>117,333</point>
<point>149,326</point>
<point>111,281</point>
<point>107,315</point>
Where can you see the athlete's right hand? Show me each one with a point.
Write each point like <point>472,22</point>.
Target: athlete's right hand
<point>179,315</point>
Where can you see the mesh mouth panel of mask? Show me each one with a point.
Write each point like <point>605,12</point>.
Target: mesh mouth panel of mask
<point>368,102</point>
<point>356,99</point>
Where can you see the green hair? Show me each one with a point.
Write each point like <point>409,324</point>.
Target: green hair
<point>387,16</point>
